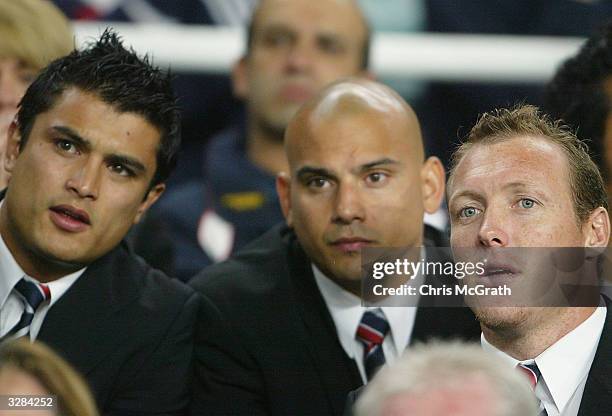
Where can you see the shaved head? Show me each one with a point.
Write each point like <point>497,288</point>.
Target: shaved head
<point>355,97</point>
<point>358,177</point>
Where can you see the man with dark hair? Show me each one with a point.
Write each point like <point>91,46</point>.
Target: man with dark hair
<point>294,338</point>
<point>294,48</point>
<point>521,180</point>
<point>96,136</point>
<point>581,95</point>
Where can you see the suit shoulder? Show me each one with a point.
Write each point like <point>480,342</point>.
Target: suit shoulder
<point>259,268</point>
<point>135,275</point>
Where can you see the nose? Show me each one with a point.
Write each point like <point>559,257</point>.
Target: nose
<point>299,58</point>
<point>85,181</point>
<point>348,205</point>
<point>492,231</point>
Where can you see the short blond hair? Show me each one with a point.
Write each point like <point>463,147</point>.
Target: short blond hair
<point>527,121</point>
<point>55,375</point>
<point>34,31</point>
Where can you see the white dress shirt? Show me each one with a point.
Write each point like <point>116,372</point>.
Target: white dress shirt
<point>346,311</point>
<point>564,365</point>
<point>11,304</point>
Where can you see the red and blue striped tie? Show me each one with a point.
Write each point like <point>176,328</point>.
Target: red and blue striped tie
<point>371,332</point>
<point>533,374</point>
<point>32,295</point>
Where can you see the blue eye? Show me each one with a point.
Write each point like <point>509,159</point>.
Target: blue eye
<point>526,203</point>
<point>468,212</point>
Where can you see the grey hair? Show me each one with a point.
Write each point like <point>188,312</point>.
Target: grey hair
<point>443,364</point>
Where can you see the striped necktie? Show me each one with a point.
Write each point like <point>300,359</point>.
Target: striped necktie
<point>371,332</point>
<point>533,374</point>
<point>32,295</point>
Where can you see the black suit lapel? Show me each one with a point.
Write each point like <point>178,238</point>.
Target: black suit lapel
<point>338,373</point>
<point>81,325</point>
<point>597,396</point>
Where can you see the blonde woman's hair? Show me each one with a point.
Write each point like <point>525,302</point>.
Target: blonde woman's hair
<point>34,31</point>
<point>52,372</point>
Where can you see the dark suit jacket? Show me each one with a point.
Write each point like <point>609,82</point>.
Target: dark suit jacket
<point>129,330</point>
<point>276,351</point>
<point>597,395</point>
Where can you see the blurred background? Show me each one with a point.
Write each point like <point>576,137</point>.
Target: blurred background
<point>451,59</point>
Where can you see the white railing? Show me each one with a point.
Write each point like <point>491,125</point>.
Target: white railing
<point>447,57</point>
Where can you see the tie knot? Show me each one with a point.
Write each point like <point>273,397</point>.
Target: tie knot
<point>33,294</point>
<point>531,371</point>
<point>373,327</point>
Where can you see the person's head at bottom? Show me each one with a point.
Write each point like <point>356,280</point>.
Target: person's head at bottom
<point>33,369</point>
<point>453,378</point>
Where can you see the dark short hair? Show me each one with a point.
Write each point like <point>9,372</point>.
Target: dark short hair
<point>586,183</point>
<point>119,78</point>
<point>577,96</point>
<point>365,50</point>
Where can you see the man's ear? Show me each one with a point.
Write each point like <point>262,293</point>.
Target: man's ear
<point>240,79</point>
<point>152,196</point>
<point>432,180</point>
<point>12,149</point>
<point>283,189</point>
<point>597,228</point>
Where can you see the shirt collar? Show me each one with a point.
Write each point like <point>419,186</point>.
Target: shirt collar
<point>566,363</point>
<point>11,273</point>
<point>346,311</point>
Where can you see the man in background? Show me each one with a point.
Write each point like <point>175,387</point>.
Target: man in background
<point>294,48</point>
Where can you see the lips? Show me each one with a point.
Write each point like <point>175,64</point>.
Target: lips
<point>351,245</point>
<point>497,273</point>
<point>296,93</point>
<point>69,218</point>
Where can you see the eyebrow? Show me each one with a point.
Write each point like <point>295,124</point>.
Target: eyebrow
<point>517,186</point>
<point>312,170</point>
<point>377,163</point>
<point>85,144</point>
<point>531,187</point>
<point>465,194</point>
<point>74,136</point>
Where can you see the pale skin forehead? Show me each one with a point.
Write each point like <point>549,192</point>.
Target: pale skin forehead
<point>524,159</point>
<point>355,97</point>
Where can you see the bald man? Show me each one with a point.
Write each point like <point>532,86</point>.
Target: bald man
<point>357,179</point>
<point>294,48</point>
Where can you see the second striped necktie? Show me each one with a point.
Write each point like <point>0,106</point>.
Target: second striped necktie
<point>371,332</point>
